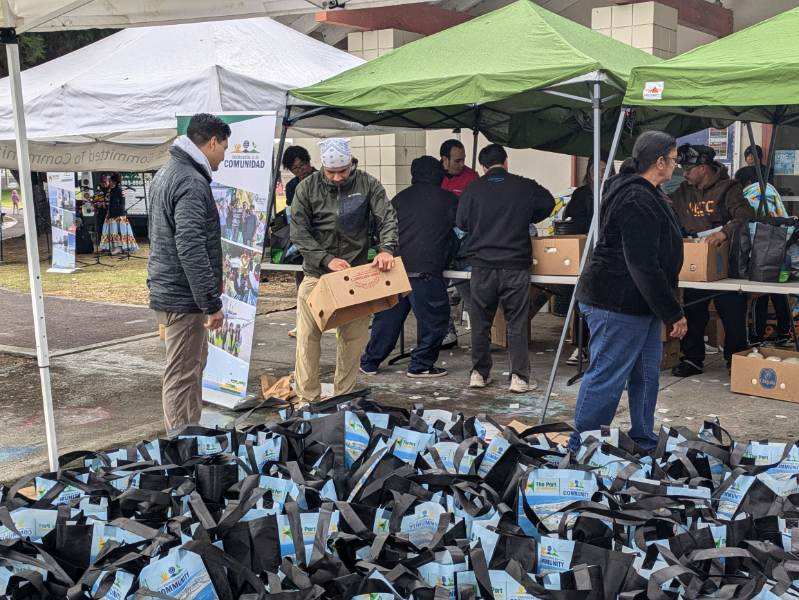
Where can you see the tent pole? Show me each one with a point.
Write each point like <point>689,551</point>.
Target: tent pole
<point>31,244</point>
<point>593,233</point>
<point>596,101</point>
<point>475,132</point>
<point>758,168</point>
<point>772,147</point>
<point>270,204</point>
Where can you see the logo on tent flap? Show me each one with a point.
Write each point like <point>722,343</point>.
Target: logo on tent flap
<point>653,90</point>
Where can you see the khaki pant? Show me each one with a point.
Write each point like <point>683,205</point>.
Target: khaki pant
<point>186,352</point>
<point>350,341</point>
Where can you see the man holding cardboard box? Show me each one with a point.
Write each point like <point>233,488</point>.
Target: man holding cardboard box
<point>497,211</point>
<point>708,199</point>
<point>330,226</point>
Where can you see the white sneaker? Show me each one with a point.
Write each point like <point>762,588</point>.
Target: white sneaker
<point>711,349</point>
<point>520,386</point>
<point>574,359</point>
<point>476,380</point>
<point>451,340</point>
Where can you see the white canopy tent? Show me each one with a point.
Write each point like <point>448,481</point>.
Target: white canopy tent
<point>19,16</point>
<point>115,100</point>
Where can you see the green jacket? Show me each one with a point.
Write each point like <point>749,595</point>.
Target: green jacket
<point>329,222</point>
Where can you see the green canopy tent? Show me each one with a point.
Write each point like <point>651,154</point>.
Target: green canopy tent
<point>521,75</point>
<point>751,75</point>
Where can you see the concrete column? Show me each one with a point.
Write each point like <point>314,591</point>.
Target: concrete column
<point>387,157</point>
<point>649,26</point>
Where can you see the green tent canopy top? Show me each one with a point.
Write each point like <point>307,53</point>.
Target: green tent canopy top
<point>751,75</point>
<point>521,75</point>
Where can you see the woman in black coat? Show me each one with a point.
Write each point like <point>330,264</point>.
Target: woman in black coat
<point>579,212</point>
<point>628,289</point>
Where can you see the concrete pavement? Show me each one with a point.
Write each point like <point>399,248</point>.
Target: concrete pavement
<point>110,396</point>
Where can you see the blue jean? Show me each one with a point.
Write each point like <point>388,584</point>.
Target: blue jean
<point>430,304</point>
<point>625,351</point>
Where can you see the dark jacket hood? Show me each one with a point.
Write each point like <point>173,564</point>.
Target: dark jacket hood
<point>427,169</point>
<point>722,174</point>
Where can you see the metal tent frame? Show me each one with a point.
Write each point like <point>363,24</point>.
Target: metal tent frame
<point>593,97</point>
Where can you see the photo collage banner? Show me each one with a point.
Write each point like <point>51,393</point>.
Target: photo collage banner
<point>241,189</point>
<point>61,194</point>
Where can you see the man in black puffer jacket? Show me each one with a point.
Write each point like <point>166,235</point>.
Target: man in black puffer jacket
<point>425,217</point>
<point>184,273</point>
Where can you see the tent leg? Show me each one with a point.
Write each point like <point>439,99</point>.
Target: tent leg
<point>474,149</point>
<point>596,102</point>
<point>32,247</point>
<point>593,233</point>
<point>772,148</point>
<point>270,204</point>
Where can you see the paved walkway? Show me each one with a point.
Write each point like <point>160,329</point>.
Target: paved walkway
<point>70,323</point>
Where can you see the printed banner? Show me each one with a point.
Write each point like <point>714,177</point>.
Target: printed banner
<point>240,188</point>
<point>61,193</point>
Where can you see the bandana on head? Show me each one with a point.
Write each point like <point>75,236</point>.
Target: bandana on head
<point>336,153</point>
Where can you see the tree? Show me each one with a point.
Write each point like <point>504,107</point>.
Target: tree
<point>36,48</point>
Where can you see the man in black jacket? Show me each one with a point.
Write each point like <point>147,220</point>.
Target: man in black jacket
<point>184,273</point>
<point>425,216</point>
<point>497,211</point>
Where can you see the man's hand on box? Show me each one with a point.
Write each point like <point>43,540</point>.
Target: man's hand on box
<point>338,264</point>
<point>383,261</point>
<point>716,239</point>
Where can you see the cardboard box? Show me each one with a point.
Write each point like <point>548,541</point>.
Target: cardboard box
<point>671,355</point>
<point>703,262</point>
<point>499,329</point>
<point>347,295</point>
<point>764,378</point>
<point>714,332</point>
<point>557,255</point>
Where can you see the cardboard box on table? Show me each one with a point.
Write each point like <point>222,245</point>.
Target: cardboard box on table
<point>767,379</point>
<point>703,262</point>
<point>557,255</point>
<point>348,295</point>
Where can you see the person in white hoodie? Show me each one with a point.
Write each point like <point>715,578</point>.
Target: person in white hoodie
<point>184,273</point>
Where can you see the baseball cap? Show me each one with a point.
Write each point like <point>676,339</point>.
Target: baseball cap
<point>691,155</point>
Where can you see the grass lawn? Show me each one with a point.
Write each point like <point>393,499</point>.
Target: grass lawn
<point>5,200</point>
<point>117,281</point>
<point>121,281</point>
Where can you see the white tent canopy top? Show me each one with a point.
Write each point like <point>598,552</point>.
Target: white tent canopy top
<point>128,87</point>
<point>58,15</point>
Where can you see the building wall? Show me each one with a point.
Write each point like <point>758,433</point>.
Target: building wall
<point>551,170</point>
<point>688,39</point>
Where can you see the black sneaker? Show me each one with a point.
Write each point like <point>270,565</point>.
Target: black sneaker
<point>368,370</point>
<point>686,369</point>
<point>429,373</point>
